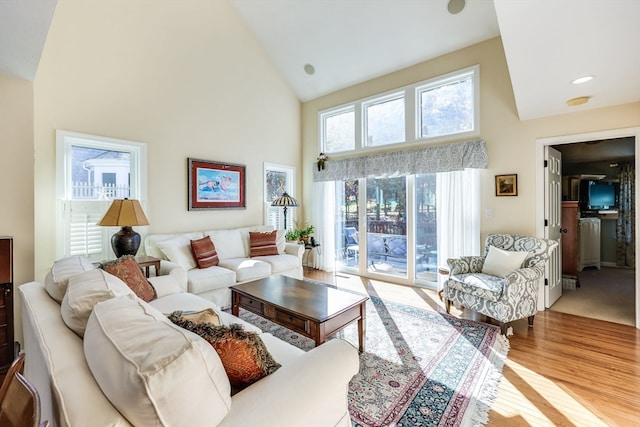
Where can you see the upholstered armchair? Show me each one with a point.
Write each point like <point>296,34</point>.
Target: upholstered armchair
<point>503,284</point>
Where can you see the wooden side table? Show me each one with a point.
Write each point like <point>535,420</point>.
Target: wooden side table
<point>148,261</point>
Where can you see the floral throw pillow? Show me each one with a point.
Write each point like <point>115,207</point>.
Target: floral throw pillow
<point>243,354</point>
<point>128,270</point>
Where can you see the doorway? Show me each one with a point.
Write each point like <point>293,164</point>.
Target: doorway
<point>596,286</point>
<point>590,157</point>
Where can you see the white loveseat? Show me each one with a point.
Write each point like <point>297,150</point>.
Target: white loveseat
<point>132,366</point>
<point>235,263</point>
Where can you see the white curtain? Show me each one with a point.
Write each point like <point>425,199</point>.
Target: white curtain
<point>323,218</point>
<point>458,214</point>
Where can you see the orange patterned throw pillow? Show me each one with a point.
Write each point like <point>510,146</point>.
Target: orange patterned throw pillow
<point>128,270</point>
<point>243,354</point>
<point>263,243</point>
<point>204,252</point>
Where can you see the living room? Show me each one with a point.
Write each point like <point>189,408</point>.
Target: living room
<point>190,80</point>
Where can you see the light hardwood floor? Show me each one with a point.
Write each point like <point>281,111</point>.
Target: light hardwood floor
<point>565,371</point>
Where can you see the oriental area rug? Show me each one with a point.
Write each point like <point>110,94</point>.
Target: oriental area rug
<point>420,367</point>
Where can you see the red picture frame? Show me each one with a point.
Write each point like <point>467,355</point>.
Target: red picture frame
<point>215,185</point>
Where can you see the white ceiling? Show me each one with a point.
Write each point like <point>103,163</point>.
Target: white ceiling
<point>547,43</point>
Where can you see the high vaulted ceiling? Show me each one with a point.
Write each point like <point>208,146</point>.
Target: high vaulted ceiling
<point>547,43</point>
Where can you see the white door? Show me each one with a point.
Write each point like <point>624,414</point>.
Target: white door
<point>553,217</point>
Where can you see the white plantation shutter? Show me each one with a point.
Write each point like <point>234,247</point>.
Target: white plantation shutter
<point>91,171</point>
<point>84,237</point>
<point>274,216</point>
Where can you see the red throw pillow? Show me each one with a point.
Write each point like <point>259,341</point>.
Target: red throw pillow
<point>263,243</point>
<point>243,354</point>
<point>204,252</point>
<point>128,270</point>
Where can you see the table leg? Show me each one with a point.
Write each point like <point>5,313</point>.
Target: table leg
<point>362,326</point>
<point>235,303</point>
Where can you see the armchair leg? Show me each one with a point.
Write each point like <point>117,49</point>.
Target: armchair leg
<point>447,306</point>
<point>530,319</point>
<point>503,328</point>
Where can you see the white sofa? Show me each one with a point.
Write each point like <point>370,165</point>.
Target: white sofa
<point>134,367</point>
<point>235,264</point>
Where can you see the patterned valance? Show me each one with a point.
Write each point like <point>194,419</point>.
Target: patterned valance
<point>432,159</point>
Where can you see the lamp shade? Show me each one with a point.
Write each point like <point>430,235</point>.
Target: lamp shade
<point>124,213</point>
<point>285,200</point>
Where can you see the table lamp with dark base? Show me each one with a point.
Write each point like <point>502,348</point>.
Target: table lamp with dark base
<point>124,213</point>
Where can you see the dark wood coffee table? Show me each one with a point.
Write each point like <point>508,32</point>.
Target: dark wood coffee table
<point>313,310</point>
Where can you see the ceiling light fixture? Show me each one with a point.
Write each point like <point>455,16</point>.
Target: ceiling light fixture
<point>456,6</point>
<point>580,80</point>
<point>309,69</point>
<point>578,101</point>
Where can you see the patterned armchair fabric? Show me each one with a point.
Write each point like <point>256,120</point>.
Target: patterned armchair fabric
<point>504,299</point>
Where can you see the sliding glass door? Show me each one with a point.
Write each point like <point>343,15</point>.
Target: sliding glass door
<point>386,227</point>
<point>386,220</point>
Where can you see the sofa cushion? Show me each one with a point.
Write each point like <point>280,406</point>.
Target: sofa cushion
<point>178,249</point>
<point>247,268</point>
<point>204,252</point>
<point>262,243</point>
<point>85,290</point>
<point>487,287</point>
<point>151,242</point>
<point>280,263</point>
<point>58,277</point>
<point>243,354</point>
<point>127,269</point>
<point>228,243</point>
<point>210,278</point>
<point>500,262</point>
<point>190,302</point>
<point>152,371</point>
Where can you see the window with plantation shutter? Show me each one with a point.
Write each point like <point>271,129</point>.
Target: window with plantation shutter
<point>277,180</point>
<point>91,172</point>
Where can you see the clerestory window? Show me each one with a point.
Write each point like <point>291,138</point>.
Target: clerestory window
<point>443,107</point>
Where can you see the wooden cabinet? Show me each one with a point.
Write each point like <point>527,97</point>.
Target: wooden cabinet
<point>6,303</point>
<point>569,226</point>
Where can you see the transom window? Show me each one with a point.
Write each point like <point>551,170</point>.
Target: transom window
<point>339,130</point>
<point>384,120</point>
<point>445,106</point>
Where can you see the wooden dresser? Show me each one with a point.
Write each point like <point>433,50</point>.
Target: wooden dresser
<point>6,303</point>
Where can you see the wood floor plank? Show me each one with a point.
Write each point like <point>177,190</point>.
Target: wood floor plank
<point>565,371</point>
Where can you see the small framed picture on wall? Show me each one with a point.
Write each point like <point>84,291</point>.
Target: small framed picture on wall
<point>507,185</point>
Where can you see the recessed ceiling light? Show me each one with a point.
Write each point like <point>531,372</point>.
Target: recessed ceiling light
<point>456,6</point>
<point>578,101</point>
<point>309,69</point>
<point>582,80</point>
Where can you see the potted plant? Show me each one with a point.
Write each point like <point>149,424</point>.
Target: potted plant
<point>301,233</point>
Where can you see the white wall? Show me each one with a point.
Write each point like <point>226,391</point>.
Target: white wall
<point>16,176</point>
<point>186,77</point>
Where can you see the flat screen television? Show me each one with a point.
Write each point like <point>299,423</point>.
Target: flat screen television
<point>602,195</point>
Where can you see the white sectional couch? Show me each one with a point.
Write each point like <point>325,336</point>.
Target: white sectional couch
<point>235,263</point>
<point>127,364</point>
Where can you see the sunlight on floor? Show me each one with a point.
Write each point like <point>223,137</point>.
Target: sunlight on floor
<point>559,402</point>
